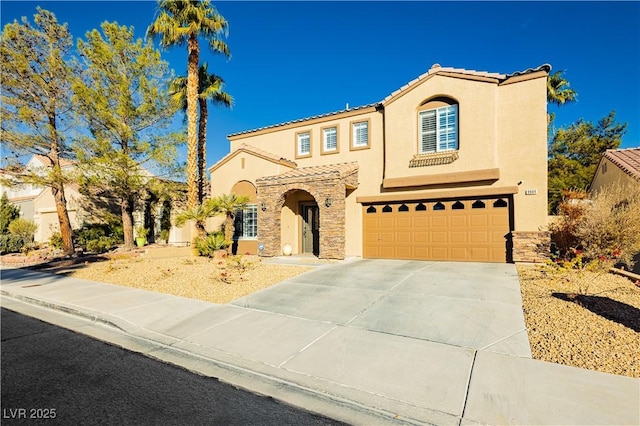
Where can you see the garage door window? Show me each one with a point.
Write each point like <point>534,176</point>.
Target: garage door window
<point>457,206</point>
<point>438,206</point>
<point>478,205</point>
<point>500,203</point>
<point>387,209</point>
<point>421,207</point>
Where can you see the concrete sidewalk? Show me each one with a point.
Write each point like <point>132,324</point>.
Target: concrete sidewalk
<point>361,369</point>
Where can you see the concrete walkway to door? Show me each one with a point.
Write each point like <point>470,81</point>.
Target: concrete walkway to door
<point>363,341</point>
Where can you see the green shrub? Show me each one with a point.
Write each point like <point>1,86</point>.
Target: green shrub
<point>8,212</point>
<point>96,231</point>
<point>10,243</point>
<point>207,245</point>
<point>101,244</point>
<point>23,228</point>
<point>55,240</point>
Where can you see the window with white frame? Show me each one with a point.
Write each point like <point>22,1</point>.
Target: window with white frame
<point>245,226</point>
<point>438,129</point>
<point>360,134</point>
<point>303,144</point>
<point>330,139</point>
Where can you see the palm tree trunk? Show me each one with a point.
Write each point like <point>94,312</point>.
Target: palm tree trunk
<point>202,149</point>
<point>192,113</point>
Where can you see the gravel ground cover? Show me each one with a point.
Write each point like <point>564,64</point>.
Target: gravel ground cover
<point>584,320</point>
<point>590,321</point>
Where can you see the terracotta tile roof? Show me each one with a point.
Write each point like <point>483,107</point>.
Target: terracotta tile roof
<point>299,120</point>
<point>340,170</point>
<point>627,159</point>
<point>436,68</point>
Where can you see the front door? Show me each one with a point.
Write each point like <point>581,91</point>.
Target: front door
<point>310,229</point>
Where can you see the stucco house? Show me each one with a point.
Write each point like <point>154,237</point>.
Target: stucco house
<point>37,204</point>
<point>451,166</point>
<point>617,165</point>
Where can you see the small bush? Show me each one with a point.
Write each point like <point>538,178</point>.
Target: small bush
<point>10,243</point>
<point>24,229</point>
<point>55,241</point>
<point>604,228</point>
<point>101,245</point>
<point>206,246</point>
<point>96,231</point>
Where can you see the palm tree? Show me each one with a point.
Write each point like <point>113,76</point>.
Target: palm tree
<point>199,214</point>
<point>209,89</point>
<point>558,91</point>
<point>228,204</point>
<point>181,22</point>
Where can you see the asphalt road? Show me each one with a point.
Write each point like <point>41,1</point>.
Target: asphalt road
<point>50,373</point>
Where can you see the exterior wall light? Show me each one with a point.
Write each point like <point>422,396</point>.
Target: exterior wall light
<point>327,202</point>
<point>263,207</point>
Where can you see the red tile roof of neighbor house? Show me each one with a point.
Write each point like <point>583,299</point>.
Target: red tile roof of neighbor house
<point>339,170</point>
<point>436,68</point>
<point>627,159</point>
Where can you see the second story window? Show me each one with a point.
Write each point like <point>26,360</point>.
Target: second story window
<point>303,144</point>
<point>438,129</point>
<point>330,139</point>
<point>360,134</point>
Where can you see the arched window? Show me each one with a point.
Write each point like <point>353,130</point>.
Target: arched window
<point>387,209</point>
<point>421,207</point>
<point>403,208</point>
<point>500,203</point>
<point>438,125</point>
<point>371,209</point>
<point>478,204</point>
<point>438,206</point>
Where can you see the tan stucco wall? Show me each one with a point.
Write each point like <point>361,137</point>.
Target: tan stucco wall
<point>612,175</point>
<point>477,102</point>
<point>283,142</point>
<point>243,166</point>
<point>46,216</point>
<point>522,149</point>
<point>502,139</point>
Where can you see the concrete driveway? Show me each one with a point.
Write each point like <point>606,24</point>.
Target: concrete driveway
<point>470,305</point>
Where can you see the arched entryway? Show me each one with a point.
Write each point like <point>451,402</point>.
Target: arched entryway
<point>305,208</point>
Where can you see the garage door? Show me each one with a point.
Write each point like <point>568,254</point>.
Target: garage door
<point>461,230</point>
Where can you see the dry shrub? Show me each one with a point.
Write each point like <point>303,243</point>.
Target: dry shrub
<point>604,228</point>
<point>610,227</point>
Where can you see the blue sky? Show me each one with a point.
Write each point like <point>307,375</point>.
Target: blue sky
<point>296,59</point>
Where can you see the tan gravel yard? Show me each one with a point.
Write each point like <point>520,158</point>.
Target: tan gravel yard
<point>591,323</point>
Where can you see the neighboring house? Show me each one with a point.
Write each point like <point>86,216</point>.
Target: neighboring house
<point>617,165</point>
<point>37,203</point>
<point>452,166</point>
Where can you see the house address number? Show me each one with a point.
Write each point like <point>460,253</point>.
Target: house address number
<point>530,191</point>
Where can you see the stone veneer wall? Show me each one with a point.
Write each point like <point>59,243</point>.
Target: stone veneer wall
<point>531,246</point>
<point>332,218</point>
